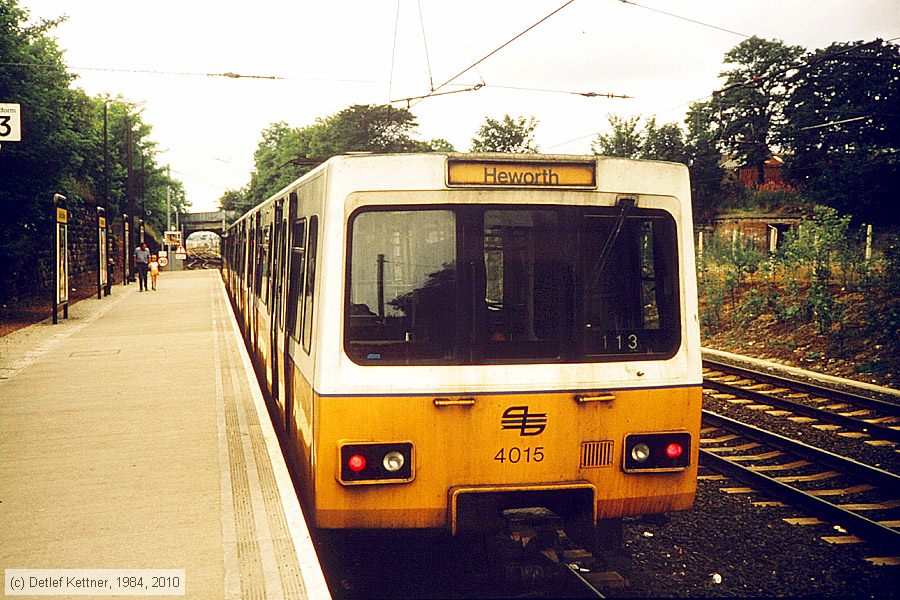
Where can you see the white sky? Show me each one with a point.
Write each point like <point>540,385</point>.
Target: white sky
<point>339,52</point>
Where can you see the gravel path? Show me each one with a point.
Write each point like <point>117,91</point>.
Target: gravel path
<point>752,550</point>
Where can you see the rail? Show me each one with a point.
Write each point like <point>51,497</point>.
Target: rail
<point>835,418</point>
<point>853,521</point>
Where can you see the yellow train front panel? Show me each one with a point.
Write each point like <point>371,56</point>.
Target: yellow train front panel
<point>543,442</point>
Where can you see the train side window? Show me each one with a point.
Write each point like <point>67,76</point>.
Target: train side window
<point>260,258</point>
<point>251,256</point>
<point>298,270</point>
<point>309,296</point>
<point>264,263</point>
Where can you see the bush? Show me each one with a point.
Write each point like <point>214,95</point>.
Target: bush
<point>818,277</point>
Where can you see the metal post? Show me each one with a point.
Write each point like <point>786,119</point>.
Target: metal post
<point>107,237</point>
<point>168,220</point>
<point>380,283</point>
<point>868,242</point>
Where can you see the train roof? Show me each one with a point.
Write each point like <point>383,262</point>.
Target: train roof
<point>613,173</point>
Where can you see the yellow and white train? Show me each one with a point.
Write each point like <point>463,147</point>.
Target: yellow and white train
<point>447,336</point>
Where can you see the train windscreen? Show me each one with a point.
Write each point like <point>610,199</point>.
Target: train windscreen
<point>491,284</point>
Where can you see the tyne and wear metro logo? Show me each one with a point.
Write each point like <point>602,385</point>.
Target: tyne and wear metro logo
<point>527,423</point>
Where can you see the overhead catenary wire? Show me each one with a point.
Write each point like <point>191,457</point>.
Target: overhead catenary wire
<point>425,44</point>
<point>199,74</point>
<point>478,86</point>
<point>393,51</point>
<point>492,52</point>
<point>806,62</point>
<point>689,20</point>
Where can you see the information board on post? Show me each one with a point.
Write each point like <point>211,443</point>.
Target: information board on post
<point>61,252</point>
<point>173,238</point>
<point>102,273</point>
<point>10,122</point>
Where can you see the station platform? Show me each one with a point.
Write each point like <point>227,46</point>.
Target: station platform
<point>133,436</point>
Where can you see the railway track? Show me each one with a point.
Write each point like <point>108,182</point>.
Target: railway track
<point>532,558</point>
<point>205,260</point>
<point>855,497</point>
<point>877,420</point>
<point>833,487</point>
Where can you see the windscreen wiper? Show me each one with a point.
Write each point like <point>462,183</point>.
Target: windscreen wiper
<point>625,205</point>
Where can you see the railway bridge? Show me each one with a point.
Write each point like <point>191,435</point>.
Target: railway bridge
<point>215,222</point>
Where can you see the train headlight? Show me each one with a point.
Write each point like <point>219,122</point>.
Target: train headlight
<point>393,461</point>
<point>657,452</point>
<point>375,462</point>
<point>640,452</point>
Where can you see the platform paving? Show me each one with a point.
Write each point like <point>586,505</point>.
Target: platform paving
<point>131,437</point>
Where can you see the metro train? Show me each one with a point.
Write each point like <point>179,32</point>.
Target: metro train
<point>445,337</point>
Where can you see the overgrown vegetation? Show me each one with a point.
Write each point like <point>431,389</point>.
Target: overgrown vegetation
<point>817,287</point>
<point>62,151</point>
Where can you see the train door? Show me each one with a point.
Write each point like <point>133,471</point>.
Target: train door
<point>243,275</point>
<point>253,282</point>
<point>275,284</point>
<point>293,307</point>
<point>250,305</point>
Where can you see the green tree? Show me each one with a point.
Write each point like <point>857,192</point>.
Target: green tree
<point>662,142</point>
<point>31,170</point>
<point>286,153</point>
<point>652,142</point>
<point>509,135</point>
<point>61,152</point>
<point>234,201</point>
<point>843,128</point>
<point>750,105</point>
<point>704,159</point>
<point>624,141</point>
<point>366,128</point>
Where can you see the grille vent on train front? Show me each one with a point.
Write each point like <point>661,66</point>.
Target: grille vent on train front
<point>596,454</point>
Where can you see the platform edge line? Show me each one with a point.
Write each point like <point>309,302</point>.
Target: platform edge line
<point>313,578</point>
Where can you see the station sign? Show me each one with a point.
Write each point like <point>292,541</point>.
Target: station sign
<point>521,173</point>
<point>61,258</point>
<point>126,258</point>
<point>102,272</point>
<point>10,122</point>
<point>172,238</point>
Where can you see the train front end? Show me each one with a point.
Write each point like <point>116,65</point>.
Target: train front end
<point>505,333</point>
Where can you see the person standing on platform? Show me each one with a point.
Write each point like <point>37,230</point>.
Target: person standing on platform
<point>110,269</point>
<point>141,261</point>
<point>154,271</point>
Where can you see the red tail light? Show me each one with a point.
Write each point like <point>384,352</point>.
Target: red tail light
<point>674,450</point>
<point>657,452</point>
<point>356,463</point>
